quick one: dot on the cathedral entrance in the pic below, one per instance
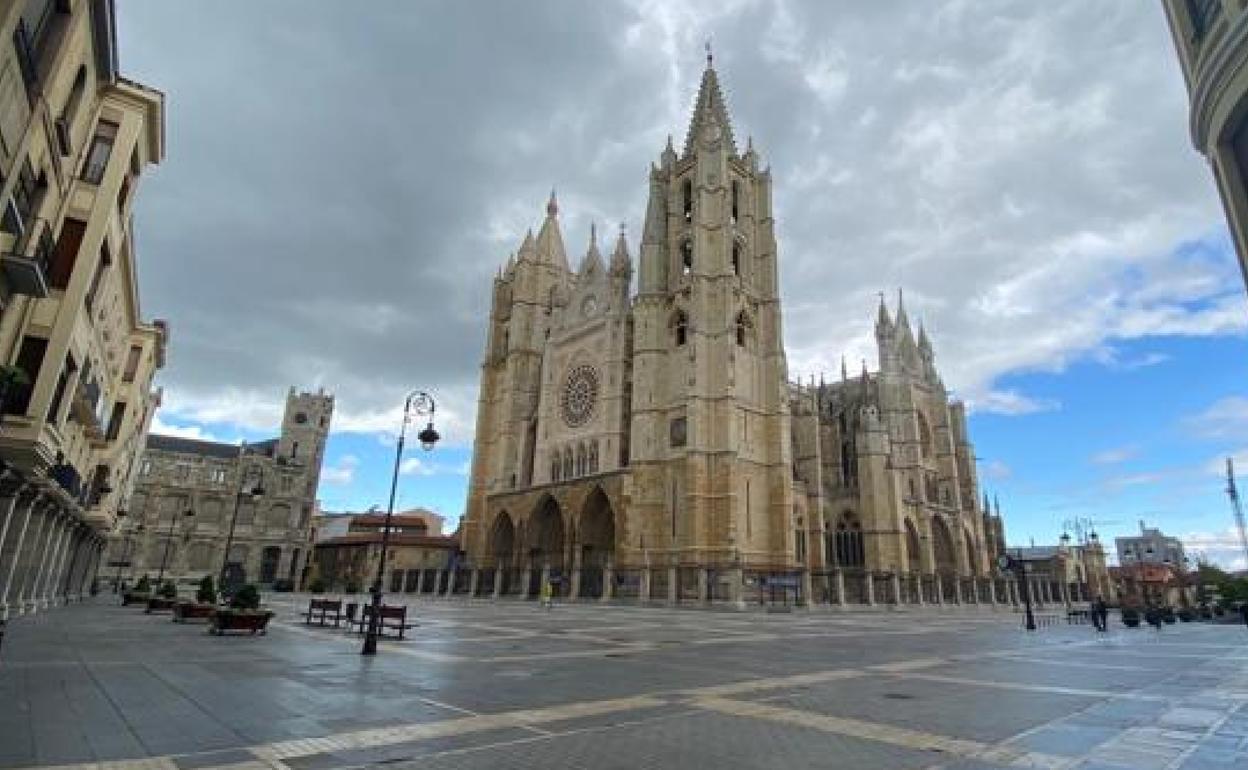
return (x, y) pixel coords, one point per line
(597, 543)
(503, 549)
(546, 548)
(942, 545)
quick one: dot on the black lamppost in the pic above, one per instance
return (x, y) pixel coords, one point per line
(125, 545)
(256, 490)
(173, 522)
(1019, 568)
(419, 403)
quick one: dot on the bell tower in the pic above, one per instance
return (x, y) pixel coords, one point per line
(305, 429)
(710, 453)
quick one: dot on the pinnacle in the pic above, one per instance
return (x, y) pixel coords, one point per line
(710, 108)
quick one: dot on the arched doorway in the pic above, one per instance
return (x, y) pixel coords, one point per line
(914, 556)
(269, 558)
(942, 546)
(546, 546)
(503, 548)
(597, 542)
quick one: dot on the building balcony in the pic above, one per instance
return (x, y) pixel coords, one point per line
(25, 266)
(83, 405)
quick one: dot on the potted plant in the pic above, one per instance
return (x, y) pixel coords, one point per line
(164, 599)
(141, 592)
(243, 614)
(200, 609)
(1130, 617)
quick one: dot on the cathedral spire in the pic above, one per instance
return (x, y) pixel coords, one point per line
(593, 259)
(549, 240)
(925, 345)
(710, 109)
(902, 318)
(882, 321)
(844, 370)
(620, 261)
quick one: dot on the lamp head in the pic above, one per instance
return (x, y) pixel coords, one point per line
(428, 437)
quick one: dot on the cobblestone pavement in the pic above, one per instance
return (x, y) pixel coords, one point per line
(511, 685)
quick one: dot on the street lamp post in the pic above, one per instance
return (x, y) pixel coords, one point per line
(173, 523)
(131, 545)
(419, 403)
(257, 490)
(1019, 568)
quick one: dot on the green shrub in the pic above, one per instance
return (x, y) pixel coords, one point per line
(207, 593)
(143, 586)
(318, 586)
(169, 590)
(246, 598)
(353, 587)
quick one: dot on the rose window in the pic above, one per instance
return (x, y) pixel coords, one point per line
(580, 393)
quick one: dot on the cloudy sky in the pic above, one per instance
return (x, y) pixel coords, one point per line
(344, 179)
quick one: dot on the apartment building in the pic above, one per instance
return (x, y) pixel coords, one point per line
(78, 359)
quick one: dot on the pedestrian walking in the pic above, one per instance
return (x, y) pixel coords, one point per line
(1152, 616)
(1095, 612)
(1104, 617)
(546, 595)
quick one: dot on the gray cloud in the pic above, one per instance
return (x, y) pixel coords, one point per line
(344, 179)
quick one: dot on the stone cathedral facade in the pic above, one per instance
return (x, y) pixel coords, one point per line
(652, 445)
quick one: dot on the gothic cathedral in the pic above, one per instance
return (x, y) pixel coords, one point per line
(651, 445)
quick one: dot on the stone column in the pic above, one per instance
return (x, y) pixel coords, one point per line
(808, 588)
(1066, 594)
(704, 586)
(673, 587)
(896, 579)
(643, 590)
(526, 580)
(608, 582)
(498, 581)
(420, 581)
(918, 590)
(545, 579)
(12, 555)
(474, 579)
(869, 584)
(736, 578)
(574, 590)
(9, 506)
(451, 575)
(938, 589)
(38, 553)
(68, 539)
(839, 577)
(59, 589)
(992, 592)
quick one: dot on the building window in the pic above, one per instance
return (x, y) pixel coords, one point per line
(736, 187)
(16, 397)
(743, 330)
(849, 550)
(686, 200)
(115, 420)
(294, 450)
(65, 255)
(101, 150)
(686, 257)
(677, 432)
(593, 457)
(736, 258)
(555, 466)
(567, 463)
(682, 328)
(22, 204)
(1203, 13)
(62, 383)
(146, 468)
(132, 363)
(98, 278)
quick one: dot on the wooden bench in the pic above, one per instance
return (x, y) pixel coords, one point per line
(392, 618)
(322, 611)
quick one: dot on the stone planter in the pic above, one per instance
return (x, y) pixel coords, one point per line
(160, 604)
(249, 621)
(184, 611)
(131, 597)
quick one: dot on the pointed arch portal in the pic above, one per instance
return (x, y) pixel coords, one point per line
(597, 529)
(942, 546)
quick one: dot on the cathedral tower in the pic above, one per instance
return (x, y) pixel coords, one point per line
(710, 452)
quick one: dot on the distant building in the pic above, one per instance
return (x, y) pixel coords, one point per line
(184, 506)
(1151, 547)
(1141, 584)
(1067, 574)
(419, 556)
(1211, 38)
(76, 139)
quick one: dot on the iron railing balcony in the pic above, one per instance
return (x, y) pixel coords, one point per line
(25, 267)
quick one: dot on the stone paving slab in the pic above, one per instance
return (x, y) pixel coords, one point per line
(506, 685)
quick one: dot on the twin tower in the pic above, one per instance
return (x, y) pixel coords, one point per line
(619, 434)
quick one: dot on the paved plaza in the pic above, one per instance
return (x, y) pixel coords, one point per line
(510, 685)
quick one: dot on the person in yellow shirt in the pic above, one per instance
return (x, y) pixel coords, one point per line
(545, 596)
